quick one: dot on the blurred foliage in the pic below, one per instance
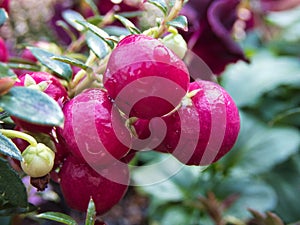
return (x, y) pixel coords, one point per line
(262, 172)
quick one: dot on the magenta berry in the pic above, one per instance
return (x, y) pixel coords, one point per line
(145, 78)
(79, 182)
(217, 117)
(204, 128)
(54, 88)
(47, 83)
(91, 126)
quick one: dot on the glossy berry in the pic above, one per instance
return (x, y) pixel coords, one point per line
(217, 117)
(79, 182)
(203, 130)
(47, 83)
(3, 51)
(91, 126)
(145, 78)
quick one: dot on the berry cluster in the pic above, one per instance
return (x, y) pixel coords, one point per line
(147, 102)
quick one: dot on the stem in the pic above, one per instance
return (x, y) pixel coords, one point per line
(18, 134)
(82, 77)
(92, 57)
(76, 45)
(172, 15)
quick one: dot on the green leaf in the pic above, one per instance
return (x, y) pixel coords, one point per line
(73, 62)
(33, 106)
(249, 193)
(91, 213)
(285, 179)
(131, 14)
(97, 45)
(17, 210)
(128, 24)
(99, 32)
(12, 190)
(3, 16)
(179, 22)
(7, 147)
(93, 6)
(246, 83)
(116, 31)
(161, 4)
(95, 19)
(5, 71)
(290, 117)
(24, 66)
(58, 217)
(62, 69)
(71, 17)
(260, 148)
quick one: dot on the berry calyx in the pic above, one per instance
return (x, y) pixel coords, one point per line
(93, 128)
(47, 83)
(149, 83)
(37, 160)
(79, 183)
(54, 88)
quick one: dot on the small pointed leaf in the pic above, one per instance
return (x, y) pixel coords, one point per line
(33, 106)
(7, 147)
(73, 62)
(99, 32)
(62, 69)
(22, 66)
(91, 213)
(128, 24)
(5, 71)
(93, 6)
(161, 4)
(58, 217)
(116, 30)
(3, 16)
(97, 45)
(71, 17)
(180, 22)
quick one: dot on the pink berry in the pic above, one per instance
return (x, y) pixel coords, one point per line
(202, 130)
(79, 183)
(27, 55)
(53, 88)
(217, 118)
(93, 129)
(3, 51)
(145, 78)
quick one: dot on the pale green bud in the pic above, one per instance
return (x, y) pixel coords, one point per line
(37, 160)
